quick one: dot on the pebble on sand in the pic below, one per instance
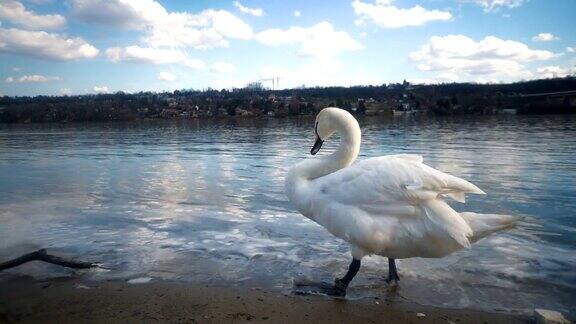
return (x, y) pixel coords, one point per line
(546, 316)
(82, 286)
(140, 280)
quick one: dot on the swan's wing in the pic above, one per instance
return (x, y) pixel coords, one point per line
(401, 186)
(409, 157)
(393, 178)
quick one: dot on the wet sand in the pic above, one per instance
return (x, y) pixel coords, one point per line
(73, 301)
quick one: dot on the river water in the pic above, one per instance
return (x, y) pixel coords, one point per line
(203, 201)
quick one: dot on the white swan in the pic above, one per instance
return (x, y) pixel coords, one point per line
(391, 205)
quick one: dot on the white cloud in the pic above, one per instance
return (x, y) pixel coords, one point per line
(130, 14)
(544, 37)
(137, 54)
(251, 11)
(570, 49)
(490, 58)
(44, 45)
(65, 91)
(166, 76)
(384, 14)
(34, 78)
(494, 5)
(16, 13)
(101, 89)
(297, 13)
(320, 40)
(222, 67)
(207, 29)
(554, 71)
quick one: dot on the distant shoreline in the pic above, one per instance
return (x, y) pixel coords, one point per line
(251, 119)
(549, 96)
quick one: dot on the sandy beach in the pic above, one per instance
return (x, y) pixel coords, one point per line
(73, 301)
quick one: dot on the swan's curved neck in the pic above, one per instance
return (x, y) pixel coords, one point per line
(345, 155)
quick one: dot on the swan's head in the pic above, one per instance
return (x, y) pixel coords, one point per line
(328, 121)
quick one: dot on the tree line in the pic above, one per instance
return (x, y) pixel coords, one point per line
(447, 98)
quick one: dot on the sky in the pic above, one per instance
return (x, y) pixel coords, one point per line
(50, 47)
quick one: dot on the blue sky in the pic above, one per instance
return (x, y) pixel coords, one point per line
(91, 46)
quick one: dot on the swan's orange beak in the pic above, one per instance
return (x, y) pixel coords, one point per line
(317, 145)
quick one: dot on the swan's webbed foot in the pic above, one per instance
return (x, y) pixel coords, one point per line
(392, 272)
(392, 279)
(338, 289)
(341, 284)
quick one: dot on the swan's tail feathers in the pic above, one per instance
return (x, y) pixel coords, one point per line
(456, 188)
(459, 184)
(443, 221)
(485, 224)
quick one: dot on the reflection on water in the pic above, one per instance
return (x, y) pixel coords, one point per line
(204, 201)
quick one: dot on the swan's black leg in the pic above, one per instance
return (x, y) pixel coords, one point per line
(392, 272)
(340, 284)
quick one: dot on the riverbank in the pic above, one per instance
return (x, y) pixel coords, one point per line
(549, 96)
(71, 300)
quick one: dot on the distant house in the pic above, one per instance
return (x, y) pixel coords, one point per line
(375, 107)
(169, 113)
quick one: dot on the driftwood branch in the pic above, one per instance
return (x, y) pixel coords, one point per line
(41, 255)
